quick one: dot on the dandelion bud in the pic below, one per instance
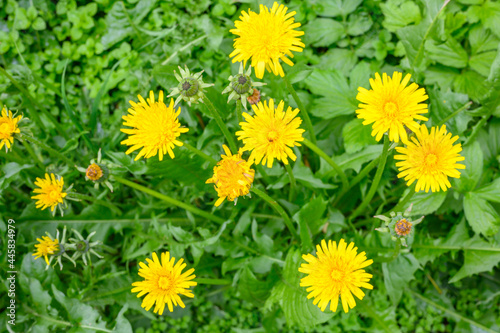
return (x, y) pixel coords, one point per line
(400, 226)
(241, 86)
(190, 88)
(98, 171)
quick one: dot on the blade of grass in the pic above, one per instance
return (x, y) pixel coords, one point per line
(69, 110)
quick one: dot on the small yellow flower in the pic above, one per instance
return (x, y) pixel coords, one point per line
(47, 246)
(155, 127)
(265, 38)
(391, 106)
(270, 133)
(430, 158)
(94, 172)
(232, 177)
(50, 192)
(8, 128)
(163, 283)
(335, 272)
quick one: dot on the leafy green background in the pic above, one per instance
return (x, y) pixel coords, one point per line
(448, 281)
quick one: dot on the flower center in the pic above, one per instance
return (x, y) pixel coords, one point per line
(186, 86)
(430, 160)
(165, 283)
(272, 136)
(242, 80)
(403, 227)
(337, 275)
(5, 130)
(189, 87)
(54, 195)
(391, 110)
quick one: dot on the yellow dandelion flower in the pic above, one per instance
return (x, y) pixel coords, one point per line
(50, 192)
(265, 38)
(232, 177)
(8, 128)
(430, 158)
(270, 133)
(155, 127)
(163, 283)
(390, 105)
(45, 247)
(335, 272)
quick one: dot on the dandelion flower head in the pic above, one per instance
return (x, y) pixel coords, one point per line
(271, 133)
(232, 177)
(266, 38)
(8, 127)
(390, 105)
(335, 272)
(46, 246)
(50, 192)
(155, 127)
(430, 158)
(163, 283)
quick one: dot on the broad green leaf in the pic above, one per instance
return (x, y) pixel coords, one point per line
(482, 40)
(341, 60)
(449, 53)
(332, 8)
(298, 310)
(477, 261)
(481, 62)
(471, 83)
(310, 220)
(444, 103)
(488, 13)
(360, 77)
(40, 298)
(490, 192)
(323, 32)
(122, 324)
(127, 161)
(426, 203)
(358, 24)
(253, 290)
(473, 162)
(398, 273)
(355, 161)
(305, 176)
(399, 16)
(482, 217)
(357, 136)
(441, 75)
(264, 242)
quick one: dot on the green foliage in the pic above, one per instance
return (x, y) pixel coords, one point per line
(72, 67)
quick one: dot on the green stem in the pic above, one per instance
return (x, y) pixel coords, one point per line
(302, 108)
(216, 282)
(475, 130)
(183, 48)
(450, 312)
(293, 184)
(102, 295)
(170, 200)
(49, 150)
(464, 107)
(97, 201)
(34, 156)
(238, 111)
(263, 173)
(356, 179)
(401, 205)
(199, 153)
(277, 207)
(323, 155)
(222, 125)
(376, 180)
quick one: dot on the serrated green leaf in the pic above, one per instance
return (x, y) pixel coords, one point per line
(473, 162)
(477, 261)
(444, 103)
(355, 161)
(471, 83)
(253, 290)
(323, 32)
(449, 53)
(358, 24)
(490, 192)
(426, 203)
(400, 16)
(482, 217)
(398, 273)
(334, 8)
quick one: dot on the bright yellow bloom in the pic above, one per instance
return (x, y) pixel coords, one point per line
(8, 127)
(265, 38)
(270, 133)
(50, 192)
(430, 158)
(163, 283)
(155, 127)
(335, 272)
(232, 177)
(391, 106)
(47, 246)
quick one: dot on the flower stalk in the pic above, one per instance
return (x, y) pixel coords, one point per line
(302, 108)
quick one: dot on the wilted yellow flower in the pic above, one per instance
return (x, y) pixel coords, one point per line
(270, 133)
(265, 38)
(45, 247)
(163, 283)
(430, 158)
(8, 128)
(232, 177)
(391, 106)
(155, 127)
(335, 272)
(50, 192)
